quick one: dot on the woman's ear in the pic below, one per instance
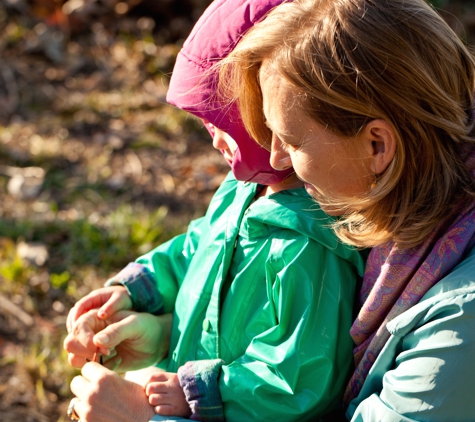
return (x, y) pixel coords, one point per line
(380, 141)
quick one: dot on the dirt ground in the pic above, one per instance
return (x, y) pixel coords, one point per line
(88, 144)
(93, 162)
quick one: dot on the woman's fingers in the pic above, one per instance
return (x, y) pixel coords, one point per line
(112, 362)
(115, 333)
(79, 386)
(80, 340)
(76, 360)
(107, 397)
(91, 388)
(76, 410)
(77, 353)
(73, 346)
(93, 371)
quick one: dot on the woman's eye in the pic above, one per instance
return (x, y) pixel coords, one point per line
(291, 142)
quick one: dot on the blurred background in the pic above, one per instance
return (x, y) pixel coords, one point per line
(95, 167)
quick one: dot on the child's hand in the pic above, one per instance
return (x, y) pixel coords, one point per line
(166, 395)
(128, 340)
(109, 300)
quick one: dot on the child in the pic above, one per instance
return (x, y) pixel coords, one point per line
(262, 292)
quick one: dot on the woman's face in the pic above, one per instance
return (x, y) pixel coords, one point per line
(325, 162)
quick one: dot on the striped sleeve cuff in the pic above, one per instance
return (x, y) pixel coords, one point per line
(199, 380)
(139, 282)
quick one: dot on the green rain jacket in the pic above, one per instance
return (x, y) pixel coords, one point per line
(264, 288)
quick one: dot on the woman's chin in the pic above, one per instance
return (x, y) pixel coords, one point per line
(326, 208)
(332, 210)
(314, 193)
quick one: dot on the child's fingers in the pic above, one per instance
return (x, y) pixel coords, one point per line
(119, 301)
(158, 377)
(93, 300)
(165, 410)
(155, 388)
(168, 396)
(157, 400)
(173, 408)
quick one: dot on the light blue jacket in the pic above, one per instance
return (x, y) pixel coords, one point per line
(426, 371)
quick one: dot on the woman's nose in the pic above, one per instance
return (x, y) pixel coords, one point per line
(279, 157)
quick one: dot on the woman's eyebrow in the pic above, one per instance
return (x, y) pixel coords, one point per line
(273, 130)
(287, 137)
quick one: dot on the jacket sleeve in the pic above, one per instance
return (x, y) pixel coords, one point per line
(154, 279)
(426, 371)
(299, 365)
(199, 380)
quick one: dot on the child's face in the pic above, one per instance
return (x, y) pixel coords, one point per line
(223, 142)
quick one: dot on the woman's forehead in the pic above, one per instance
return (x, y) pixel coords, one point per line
(282, 102)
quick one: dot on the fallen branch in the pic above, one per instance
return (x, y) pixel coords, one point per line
(7, 305)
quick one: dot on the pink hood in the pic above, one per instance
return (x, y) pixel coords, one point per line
(193, 87)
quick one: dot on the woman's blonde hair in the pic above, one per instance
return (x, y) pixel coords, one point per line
(358, 60)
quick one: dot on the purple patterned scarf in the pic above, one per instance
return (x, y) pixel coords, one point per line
(396, 279)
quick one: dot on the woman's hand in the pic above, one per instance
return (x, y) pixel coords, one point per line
(104, 396)
(128, 340)
(166, 395)
(109, 299)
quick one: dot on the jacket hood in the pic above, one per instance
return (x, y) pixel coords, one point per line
(299, 212)
(193, 83)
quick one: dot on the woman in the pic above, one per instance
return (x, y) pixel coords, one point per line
(372, 104)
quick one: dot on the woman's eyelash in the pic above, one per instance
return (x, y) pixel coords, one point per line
(286, 139)
(291, 141)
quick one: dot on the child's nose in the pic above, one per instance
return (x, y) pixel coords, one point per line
(219, 141)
